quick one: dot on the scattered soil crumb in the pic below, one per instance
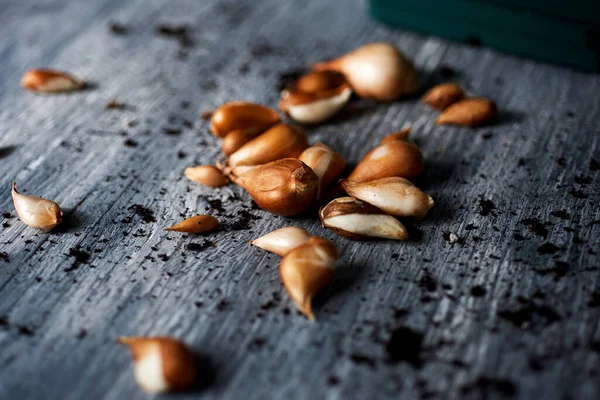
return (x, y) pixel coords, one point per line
(118, 29)
(547, 248)
(486, 207)
(405, 344)
(144, 213)
(362, 359)
(206, 115)
(180, 33)
(114, 105)
(534, 225)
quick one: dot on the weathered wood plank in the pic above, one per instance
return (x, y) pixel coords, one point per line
(501, 312)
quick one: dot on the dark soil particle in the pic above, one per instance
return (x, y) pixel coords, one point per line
(561, 161)
(534, 225)
(223, 305)
(26, 331)
(114, 105)
(484, 386)
(559, 270)
(478, 291)
(406, 345)
(130, 143)
(594, 300)
(486, 207)
(594, 165)
(428, 282)
(257, 343)
(144, 213)
(578, 194)
(548, 248)
(180, 33)
(470, 227)
(446, 72)
(81, 334)
(171, 131)
(530, 313)
(118, 29)
(80, 257)
(4, 256)
(362, 359)
(163, 257)
(195, 246)
(333, 380)
(7, 215)
(562, 214)
(4, 320)
(216, 205)
(181, 154)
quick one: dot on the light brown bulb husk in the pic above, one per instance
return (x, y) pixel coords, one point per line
(284, 187)
(195, 224)
(356, 219)
(377, 71)
(162, 364)
(306, 270)
(280, 141)
(325, 162)
(50, 81)
(283, 240)
(442, 96)
(471, 112)
(207, 175)
(315, 97)
(402, 134)
(241, 115)
(36, 212)
(393, 158)
(396, 196)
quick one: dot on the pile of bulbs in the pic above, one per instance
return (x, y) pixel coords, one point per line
(275, 164)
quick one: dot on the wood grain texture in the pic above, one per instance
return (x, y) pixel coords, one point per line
(511, 310)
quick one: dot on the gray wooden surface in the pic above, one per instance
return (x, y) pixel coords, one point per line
(511, 310)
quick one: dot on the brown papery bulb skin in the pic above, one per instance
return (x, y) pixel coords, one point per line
(284, 187)
(306, 270)
(393, 158)
(280, 141)
(377, 71)
(241, 115)
(325, 162)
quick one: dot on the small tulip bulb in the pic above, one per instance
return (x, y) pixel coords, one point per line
(162, 364)
(307, 269)
(283, 240)
(35, 211)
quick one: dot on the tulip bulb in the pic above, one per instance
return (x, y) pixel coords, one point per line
(402, 134)
(325, 162)
(237, 138)
(284, 187)
(280, 141)
(356, 219)
(50, 81)
(206, 175)
(35, 211)
(395, 196)
(241, 115)
(283, 240)
(195, 224)
(392, 158)
(307, 269)
(377, 71)
(442, 96)
(315, 97)
(162, 364)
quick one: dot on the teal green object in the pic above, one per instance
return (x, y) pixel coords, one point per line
(557, 31)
